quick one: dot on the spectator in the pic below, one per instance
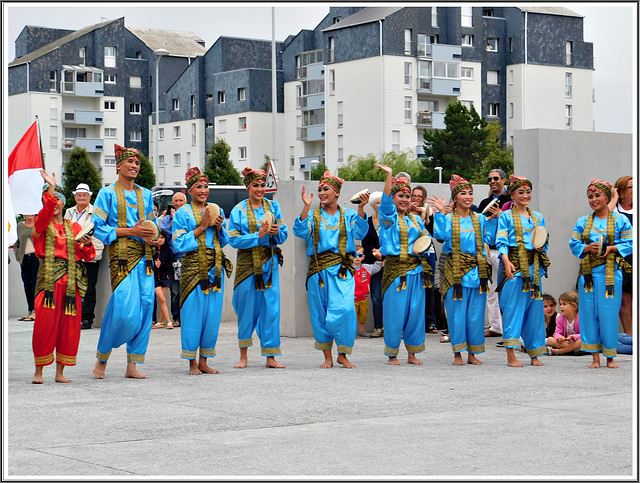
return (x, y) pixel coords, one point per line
(163, 273)
(370, 243)
(566, 338)
(362, 276)
(81, 214)
(549, 306)
(26, 256)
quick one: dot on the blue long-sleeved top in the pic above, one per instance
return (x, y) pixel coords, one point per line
(239, 235)
(506, 235)
(356, 228)
(183, 225)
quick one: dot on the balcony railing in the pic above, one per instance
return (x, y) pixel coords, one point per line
(92, 145)
(83, 117)
(424, 119)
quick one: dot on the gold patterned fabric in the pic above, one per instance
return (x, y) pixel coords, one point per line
(135, 252)
(531, 256)
(455, 259)
(467, 263)
(323, 260)
(527, 284)
(256, 256)
(191, 275)
(71, 268)
(60, 267)
(592, 260)
(245, 262)
(346, 260)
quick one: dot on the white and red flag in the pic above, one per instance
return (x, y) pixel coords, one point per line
(25, 181)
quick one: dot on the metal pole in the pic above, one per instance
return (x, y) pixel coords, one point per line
(157, 136)
(274, 91)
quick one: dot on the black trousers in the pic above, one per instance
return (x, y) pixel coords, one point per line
(89, 301)
(29, 272)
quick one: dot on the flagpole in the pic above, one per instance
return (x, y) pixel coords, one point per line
(40, 142)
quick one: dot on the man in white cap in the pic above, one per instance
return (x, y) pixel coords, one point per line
(81, 213)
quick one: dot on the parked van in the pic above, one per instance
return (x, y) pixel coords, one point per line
(224, 196)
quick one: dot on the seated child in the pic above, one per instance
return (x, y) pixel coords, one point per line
(566, 338)
(549, 304)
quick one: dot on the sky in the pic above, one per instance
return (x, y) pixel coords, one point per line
(610, 26)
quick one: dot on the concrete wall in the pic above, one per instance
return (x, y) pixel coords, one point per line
(561, 164)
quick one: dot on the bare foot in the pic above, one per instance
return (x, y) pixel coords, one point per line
(133, 373)
(472, 359)
(512, 361)
(342, 359)
(611, 364)
(37, 377)
(457, 359)
(328, 360)
(412, 359)
(393, 361)
(271, 362)
(536, 362)
(242, 364)
(194, 370)
(62, 379)
(206, 369)
(596, 361)
(99, 368)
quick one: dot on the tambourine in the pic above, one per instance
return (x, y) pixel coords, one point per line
(539, 237)
(355, 199)
(153, 226)
(214, 211)
(270, 219)
(488, 207)
(88, 229)
(422, 244)
(603, 243)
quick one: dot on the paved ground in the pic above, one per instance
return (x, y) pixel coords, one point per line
(411, 422)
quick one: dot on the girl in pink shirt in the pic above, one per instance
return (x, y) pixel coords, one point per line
(566, 337)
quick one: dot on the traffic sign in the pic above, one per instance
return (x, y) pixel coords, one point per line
(272, 181)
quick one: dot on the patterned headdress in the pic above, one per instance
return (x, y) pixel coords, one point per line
(250, 175)
(123, 153)
(333, 181)
(516, 181)
(602, 186)
(194, 174)
(457, 184)
(57, 192)
(399, 185)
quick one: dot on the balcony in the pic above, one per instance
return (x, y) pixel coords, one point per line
(82, 80)
(92, 118)
(430, 120)
(92, 145)
(307, 163)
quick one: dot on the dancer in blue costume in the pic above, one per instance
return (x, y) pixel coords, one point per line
(600, 282)
(256, 292)
(521, 290)
(200, 239)
(467, 272)
(120, 209)
(330, 233)
(405, 275)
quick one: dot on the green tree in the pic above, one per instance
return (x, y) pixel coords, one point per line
(496, 158)
(265, 166)
(461, 147)
(219, 167)
(145, 177)
(361, 168)
(80, 169)
(318, 171)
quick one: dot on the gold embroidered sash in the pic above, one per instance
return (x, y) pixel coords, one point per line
(256, 251)
(522, 255)
(71, 268)
(191, 275)
(245, 262)
(466, 264)
(60, 267)
(456, 272)
(531, 256)
(323, 260)
(316, 265)
(135, 251)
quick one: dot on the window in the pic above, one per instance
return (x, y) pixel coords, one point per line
(467, 40)
(511, 77)
(53, 108)
(135, 108)
(314, 86)
(407, 110)
(336, 19)
(424, 74)
(193, 134)
(135, 81)
(434, 16)
(75, 132)
(510, 44)
(53, 137)
(407, 75)
(492, 77)
(161, 134)
(222, 126)
(208, 125)
(110, 132)
(569, 52)
(511, 109)
(488, 12)
(161, 160)
(332, 47)
(407, 41)
(109, 161)
(493, 110)
(242, 94)
(193, 106)
(467, 104)
(332, 82)
(492, 44)
(109, 56)
(222, 97)
(242, 153)
(109, 78)
(242, 123)
(135, 135)
(568, 85)
(53, 80)
(340, 148)
(466, 73)
(292, 157)
(446, 69)
(424, 44)
(395, 141)
(109, 105)
(81, 53)
(188, 159)
(340, 114)
(569, 111)
(176, 132)
(466, 17)
(209, 97)
(176, 160)
(175, 104)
